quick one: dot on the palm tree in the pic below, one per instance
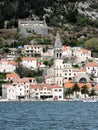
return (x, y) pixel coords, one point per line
(68, 92)
(84, 90)
(76, 89)
(92, 93)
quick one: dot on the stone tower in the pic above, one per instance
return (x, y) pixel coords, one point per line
(58, 62)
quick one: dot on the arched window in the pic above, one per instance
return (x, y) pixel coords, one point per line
(60, 82)
(57, 54)
(83, 80)
(60, 55)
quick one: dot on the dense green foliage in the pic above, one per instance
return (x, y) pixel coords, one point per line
(61, 12)
(48, 62)
(26, 72)
(92, 44)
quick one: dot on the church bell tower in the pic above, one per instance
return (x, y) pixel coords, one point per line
(58, 62)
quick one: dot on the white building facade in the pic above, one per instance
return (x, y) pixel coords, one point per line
(7, 66)
(30, 50)
(30, 62)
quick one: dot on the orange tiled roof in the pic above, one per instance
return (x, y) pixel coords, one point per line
(22, 80)
(12, 62)
(82, 70)
(70, 85)
(9, 62)
(47, 76)
(96, 87)
(91, 64)
(64, 48)
(85, 51)
(12, 75)
(41, 86)
(7, 86)
(29, 58)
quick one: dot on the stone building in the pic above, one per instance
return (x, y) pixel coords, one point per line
(38, 27)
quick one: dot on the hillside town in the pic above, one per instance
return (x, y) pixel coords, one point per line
(73, 73)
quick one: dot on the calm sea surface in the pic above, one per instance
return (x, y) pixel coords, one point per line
(48, 116)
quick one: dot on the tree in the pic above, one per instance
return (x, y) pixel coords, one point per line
(68, 92)
(18, 59)
(65, 60)
(48, 62)
(92, 44)
(6, 49)
(75, 89)
(84, 90)
(92, 93)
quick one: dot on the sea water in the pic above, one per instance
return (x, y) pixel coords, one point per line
(48, 115)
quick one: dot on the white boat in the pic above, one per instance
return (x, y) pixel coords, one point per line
(90, 100)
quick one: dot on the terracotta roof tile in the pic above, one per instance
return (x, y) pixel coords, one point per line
(41, 86)
(22, 80)
(28, 58)
(70, 85)
(91, 64)
(12, 75)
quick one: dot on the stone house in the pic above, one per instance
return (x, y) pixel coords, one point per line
(38, 27)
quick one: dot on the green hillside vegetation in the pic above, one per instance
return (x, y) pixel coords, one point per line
(92, 44)
(75, 28)
(61, 12)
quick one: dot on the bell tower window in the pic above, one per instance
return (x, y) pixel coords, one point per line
(57, 54)
(60, 55)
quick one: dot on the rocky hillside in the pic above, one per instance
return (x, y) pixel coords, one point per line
(77, 20)
(56, 12)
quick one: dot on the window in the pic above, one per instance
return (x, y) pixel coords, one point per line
(55, 90)
(60, 82)
(33, 81)
(70, 78)
(60, 90)
(45, 88)
(60, 55)
(57, 54)
(30, 81)
(60, 97)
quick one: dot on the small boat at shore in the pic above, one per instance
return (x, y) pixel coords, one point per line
(90, 100)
